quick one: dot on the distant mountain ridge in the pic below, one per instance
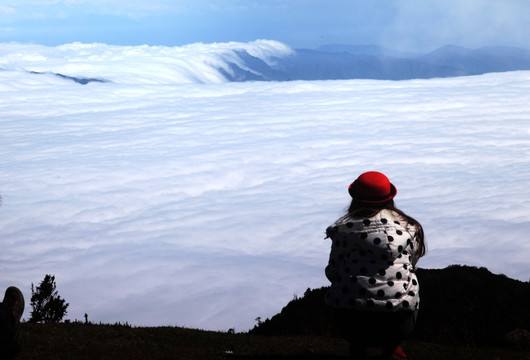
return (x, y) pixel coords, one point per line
(334, 62)
(260, 61)
(373, 50)
(459, 305)
(479, 61)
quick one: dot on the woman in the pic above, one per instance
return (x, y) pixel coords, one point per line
(374, 252)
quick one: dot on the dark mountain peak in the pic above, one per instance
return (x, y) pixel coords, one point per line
(459, 305)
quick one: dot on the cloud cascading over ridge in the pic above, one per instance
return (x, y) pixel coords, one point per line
(194, 63)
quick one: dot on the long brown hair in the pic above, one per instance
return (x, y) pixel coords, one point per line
(360, 209)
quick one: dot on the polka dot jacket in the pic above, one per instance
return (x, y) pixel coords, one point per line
(371, 263)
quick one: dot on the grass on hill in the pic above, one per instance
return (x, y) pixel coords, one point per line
(80, 341)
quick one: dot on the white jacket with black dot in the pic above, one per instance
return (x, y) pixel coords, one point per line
(372, 262)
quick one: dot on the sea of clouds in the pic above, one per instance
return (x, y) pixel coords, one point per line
(169, 196)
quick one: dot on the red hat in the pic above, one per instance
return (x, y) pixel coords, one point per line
(372, 187)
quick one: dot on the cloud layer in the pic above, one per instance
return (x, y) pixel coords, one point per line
(205, 205)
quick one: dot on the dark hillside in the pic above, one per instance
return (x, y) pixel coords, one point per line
(459, 305)
(79, 341)
(465, 312)
(471, 306)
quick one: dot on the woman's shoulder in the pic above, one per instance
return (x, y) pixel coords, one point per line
(346, 224)
(398, 221)
(391, 215)
(348, 221)
(385, 217)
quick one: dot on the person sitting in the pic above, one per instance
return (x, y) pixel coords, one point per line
(374, 253)
(11, 310)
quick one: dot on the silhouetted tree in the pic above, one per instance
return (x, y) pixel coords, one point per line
(48, 307)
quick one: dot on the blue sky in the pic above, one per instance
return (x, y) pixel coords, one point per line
(416, 25)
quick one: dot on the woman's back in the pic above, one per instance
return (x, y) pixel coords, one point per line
(372, 262)
(375, 248)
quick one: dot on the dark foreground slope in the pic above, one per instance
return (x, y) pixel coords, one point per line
(80, 342)
(459, 305)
